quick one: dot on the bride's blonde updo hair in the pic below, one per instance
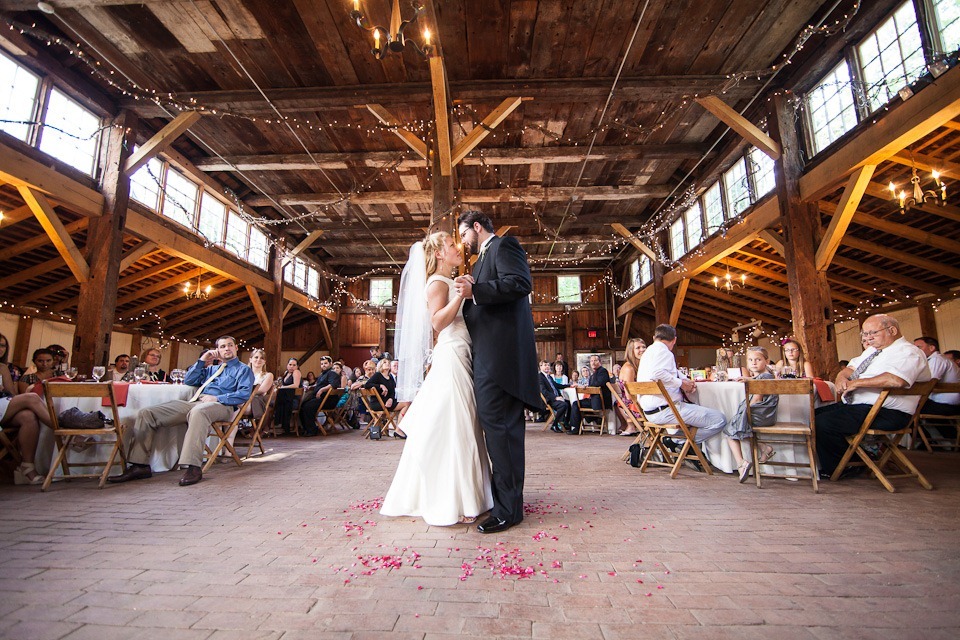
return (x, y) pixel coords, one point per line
(431, 245)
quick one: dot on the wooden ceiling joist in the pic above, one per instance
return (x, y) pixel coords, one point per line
(521, 156)
(901, 256)
(160, 141)
(221, 286)
(919, 236)
(837, 228)
(32, 272)
(389, 120)
(889, 275)
(741, 125)
(43, 239)
(57, 232)
(946, 211)
(142, 250)
(258, 308)
(635, 241)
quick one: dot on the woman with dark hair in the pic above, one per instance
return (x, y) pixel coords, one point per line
(286, 394)
(43, 360)
(60, 358)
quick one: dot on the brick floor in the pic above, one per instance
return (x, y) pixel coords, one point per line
(292, 546)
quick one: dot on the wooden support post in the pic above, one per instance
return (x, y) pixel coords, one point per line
(273, 341)
(438, 79)
(837, 228)
(625, 336)
(305, 244)
(325, 330)
(382, 338)
(388, 119)
(97, 305)
(141, 250)
(928, 321)
(136, 344)
(258, 309)
(570, 343)
(660, 306)
(678, 301)
(810, 302)
(635, 241)
(21, 348)
(173, 362)
(57, 232)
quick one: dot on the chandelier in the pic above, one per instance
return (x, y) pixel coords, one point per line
(918, 195)
(392, 40)
(728, 281)
(200, 293)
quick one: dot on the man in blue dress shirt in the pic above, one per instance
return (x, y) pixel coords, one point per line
(222, 388)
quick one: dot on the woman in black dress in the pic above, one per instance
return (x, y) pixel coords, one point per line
(384, 384)
(286, 394)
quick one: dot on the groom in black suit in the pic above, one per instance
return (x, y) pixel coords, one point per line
(498, 316)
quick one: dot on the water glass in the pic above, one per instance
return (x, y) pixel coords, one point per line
(99, 372)
(139, 374)
(70, 373)
(788, 372)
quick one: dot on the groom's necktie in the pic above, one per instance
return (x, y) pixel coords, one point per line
(552, 385)
(859, 371)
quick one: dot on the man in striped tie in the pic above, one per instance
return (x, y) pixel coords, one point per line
(887, 361)
(221, 388)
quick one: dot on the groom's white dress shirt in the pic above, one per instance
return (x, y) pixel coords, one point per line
(659, 363)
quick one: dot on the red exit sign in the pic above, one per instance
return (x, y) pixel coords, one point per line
(591, 333)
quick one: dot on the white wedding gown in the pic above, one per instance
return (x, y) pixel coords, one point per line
(444, 471)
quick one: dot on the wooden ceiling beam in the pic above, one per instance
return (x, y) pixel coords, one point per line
(302, 246)
(131, 279)
(142, 250)
(889, 275)
(707, 319)
(155, 304)
(258, 308)
(849, 202)
(738, 304)
(23, 171)
(519, 195)
(160, 286)
(56, 287)
(900, 127)
(207, 309)
(389, 120)
(901, 256)
(678, 301)
(40, 240)
(57, 231)
(741, 125)
(925, 238)
(925, 162)
(564, 90)
(32, 272)
(14, 216)
(160, 141)
(641, 246)
(491, 156)
(773, 239)
(484, 128)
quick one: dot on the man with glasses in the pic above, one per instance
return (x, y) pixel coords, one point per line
(888, 360)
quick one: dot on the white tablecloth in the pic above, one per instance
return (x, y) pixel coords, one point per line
(167, 442)
(726, 397)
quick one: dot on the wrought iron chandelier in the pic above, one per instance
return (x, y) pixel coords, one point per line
(728, 281)
(392, 40)
(200, 293)
(918, 196)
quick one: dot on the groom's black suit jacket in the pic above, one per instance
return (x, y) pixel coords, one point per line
(501, 323)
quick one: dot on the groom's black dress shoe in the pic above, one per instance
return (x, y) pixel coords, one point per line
(494, 525)
(133, 472)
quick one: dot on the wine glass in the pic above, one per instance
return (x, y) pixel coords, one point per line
(721, 376)
(70, 373)
(788, 372)
(99, 372)
(139, 374)
(180, 375)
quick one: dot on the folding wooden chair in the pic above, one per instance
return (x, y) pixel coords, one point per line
(111, 435)
(380, 414)
(256, 438)
(8, 447)
(553, 414)
(222, 430)
(927, 421)
(889, 441)
(593, 414)
(782, 432)
(332, 413)
(689, 451)
(631, 419)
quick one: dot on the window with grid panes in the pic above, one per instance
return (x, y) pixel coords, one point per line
(646, 271)
(313, 282)
(180, 198)
(381, 291)
(259, 252)
(713, 207)
(891, 57)
(568, 290)
(677, 247)
(947, 14)
(761, 169)
(145, 184)
(300, 275)
(19, 93)
(633, 276)
(71, 133)
(830, 107)
(236, 242)
(736, 189)
(213, 218)
(694, 225)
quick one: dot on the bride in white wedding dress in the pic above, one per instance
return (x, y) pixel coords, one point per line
(444, 472)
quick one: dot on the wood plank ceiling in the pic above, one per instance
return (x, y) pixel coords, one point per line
(257, 61)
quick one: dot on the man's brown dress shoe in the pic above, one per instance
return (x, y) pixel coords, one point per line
(192, 476)
(134, 472)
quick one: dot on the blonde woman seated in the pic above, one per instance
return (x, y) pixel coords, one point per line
(354, 407)
(628, 373)
(262, 383)
(793, 364)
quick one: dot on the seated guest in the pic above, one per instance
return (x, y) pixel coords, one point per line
(615, 372)
(402, 406)
(310, 404)
(953, 355)
(286, 395)
(23, 414)
(599, 377)
(310, 379)
(354, 404)
(558, 375)
(888, 361)
(793, 358)
(60, 358)
(550, 390)
(222, 389)
(941, 404)
(12, 372)
(584, 379)
(121, 368)
(659, 363)
(262, 381)
(43, 360)
(575, 378)
(565, 369)
(628, 373)
(387, 388)
(763, 413)
(151, 360)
